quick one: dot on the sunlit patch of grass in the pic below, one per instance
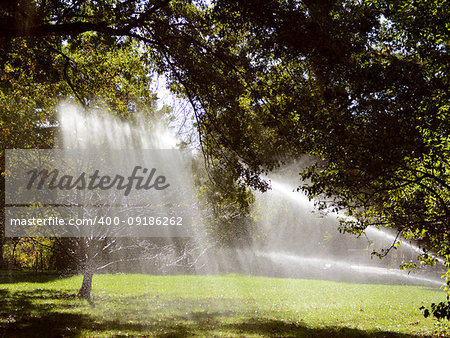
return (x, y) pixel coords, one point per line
(229, 305)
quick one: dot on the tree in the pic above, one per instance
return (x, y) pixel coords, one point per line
(360, 86)
(94, 69)
(225, 205)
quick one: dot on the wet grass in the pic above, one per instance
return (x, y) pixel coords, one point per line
(228, 305)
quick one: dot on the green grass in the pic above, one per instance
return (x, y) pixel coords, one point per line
(228, 305)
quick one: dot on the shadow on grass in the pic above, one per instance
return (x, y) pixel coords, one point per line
(278, 328)
(50, 313)
(8, 277)
(33, 313)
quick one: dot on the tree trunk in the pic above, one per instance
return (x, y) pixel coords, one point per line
(2, 262)
(86, 286)
(2, 232)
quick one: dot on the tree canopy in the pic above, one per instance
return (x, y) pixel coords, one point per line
(360, 86)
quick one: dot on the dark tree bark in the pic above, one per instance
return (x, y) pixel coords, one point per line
(86, 286)
(2, 263)
(2, 213)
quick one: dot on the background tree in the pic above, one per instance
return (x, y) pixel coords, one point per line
(361, 87)
(224, 204)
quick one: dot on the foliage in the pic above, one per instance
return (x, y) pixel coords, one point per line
(94, 69)
(439, 310)
(225, 204)
(29, 254)
(360, 86)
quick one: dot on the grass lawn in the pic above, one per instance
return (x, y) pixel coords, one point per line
(226, 305)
